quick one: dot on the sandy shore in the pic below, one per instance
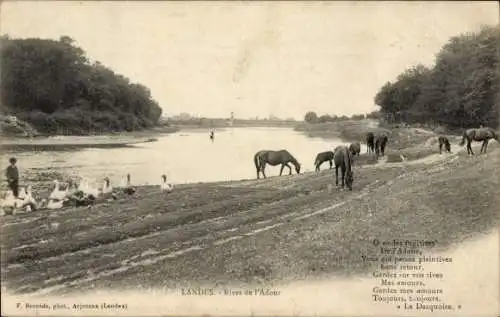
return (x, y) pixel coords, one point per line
(254, 233)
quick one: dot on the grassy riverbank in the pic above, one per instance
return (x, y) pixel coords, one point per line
(254, 231)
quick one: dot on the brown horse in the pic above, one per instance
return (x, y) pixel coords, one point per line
(355, 148)
(370, 142)
(478, 135)
(444, 141)
(380, 143)
(323, 157)
(343, 159)
(274, 158)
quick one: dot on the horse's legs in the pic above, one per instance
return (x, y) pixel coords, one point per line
(317, 167)
(336, 176)
(289, 169)
(483, 146)
(486, 146)
(262, 167)
(440, 146)
(343, 176)
(331, 163)
(469, 147)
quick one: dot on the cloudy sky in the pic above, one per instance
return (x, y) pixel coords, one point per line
(256, 59)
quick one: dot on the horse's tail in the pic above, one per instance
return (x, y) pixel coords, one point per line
(256, 160)
(494, 135)
(464, 136)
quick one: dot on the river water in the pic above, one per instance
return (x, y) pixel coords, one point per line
(185, 156)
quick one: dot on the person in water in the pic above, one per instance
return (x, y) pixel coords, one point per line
(12, 175)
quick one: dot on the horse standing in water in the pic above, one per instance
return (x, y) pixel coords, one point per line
(370, 142)
(323, 157)
(274, 158)
(380, 143)
(444, 141)
(343, 159)
(478, 135)
(355, 148)
(212, 135)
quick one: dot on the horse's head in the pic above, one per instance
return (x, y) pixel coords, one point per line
(349, 179)
(297, 168)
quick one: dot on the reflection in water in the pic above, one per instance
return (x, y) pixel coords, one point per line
(183, 157)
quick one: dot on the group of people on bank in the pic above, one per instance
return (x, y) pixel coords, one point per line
(21, 198)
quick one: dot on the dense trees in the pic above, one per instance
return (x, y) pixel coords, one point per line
(312, 117)
(53, 86)
(461, 90)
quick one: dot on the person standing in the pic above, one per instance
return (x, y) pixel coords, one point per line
(12, 175)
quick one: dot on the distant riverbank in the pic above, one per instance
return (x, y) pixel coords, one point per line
(24, 130)
(206, 123)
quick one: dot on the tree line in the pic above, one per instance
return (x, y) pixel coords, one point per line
(460, 91)
(53, 86)
(312, 117)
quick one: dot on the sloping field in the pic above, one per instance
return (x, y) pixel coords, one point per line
(266, 231)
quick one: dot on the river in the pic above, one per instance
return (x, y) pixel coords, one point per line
(184, 156)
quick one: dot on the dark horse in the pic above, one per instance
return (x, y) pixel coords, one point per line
(370, 142)
(212, 135)
(355, 148)
(380, 144)
(274, 158)
(323, 157)
(343, 159)
(478, 135)
(444, 141)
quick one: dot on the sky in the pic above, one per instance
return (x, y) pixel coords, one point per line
(254, 59)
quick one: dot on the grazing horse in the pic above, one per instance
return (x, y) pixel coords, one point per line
(478, 135)
(343, 159)
(274, 158)
(370, 142)
(444, 141)
(355, 148)
(380, 143)
(323, 157)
